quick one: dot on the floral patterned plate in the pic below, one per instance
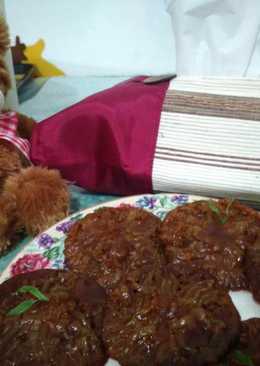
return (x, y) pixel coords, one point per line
(46, 250)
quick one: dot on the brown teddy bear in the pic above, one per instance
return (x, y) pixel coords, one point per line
(31, 198)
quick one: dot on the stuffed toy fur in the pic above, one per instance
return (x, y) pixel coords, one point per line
(31, 198)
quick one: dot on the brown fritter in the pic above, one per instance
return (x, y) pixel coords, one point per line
(138, 333)
(208, 240)
(246, 351)
(118, 248)
(194, 326)
(60, 331)
(252, 269)
(249, 343)
(205, 324)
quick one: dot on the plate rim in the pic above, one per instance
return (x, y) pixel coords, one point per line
(112, 203)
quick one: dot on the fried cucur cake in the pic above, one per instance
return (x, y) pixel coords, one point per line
(194, 326)
(252, 269)
(118, 247)
(60, 331)
(249, 341)
(208, 239)
(205, 324)
(246, 351)
(138, 333)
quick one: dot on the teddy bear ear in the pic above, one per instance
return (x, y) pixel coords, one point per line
(4, 36)
(5, 81)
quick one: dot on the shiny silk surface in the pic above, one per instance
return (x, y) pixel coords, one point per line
(106, 142)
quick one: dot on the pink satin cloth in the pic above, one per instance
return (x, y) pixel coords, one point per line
(106, 142)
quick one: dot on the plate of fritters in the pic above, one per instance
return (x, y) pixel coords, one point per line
(156, 280)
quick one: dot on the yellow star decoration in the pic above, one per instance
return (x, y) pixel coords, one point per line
(34, 55)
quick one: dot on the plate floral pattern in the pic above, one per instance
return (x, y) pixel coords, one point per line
(46, 250)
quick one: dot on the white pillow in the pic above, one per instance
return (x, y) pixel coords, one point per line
(218, 38)
(98, 37)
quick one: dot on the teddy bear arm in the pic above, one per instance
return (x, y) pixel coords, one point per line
(10, 161)
(8, 222)
(25, 126)
(42, 198)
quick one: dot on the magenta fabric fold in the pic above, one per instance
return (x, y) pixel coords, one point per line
(106, 142)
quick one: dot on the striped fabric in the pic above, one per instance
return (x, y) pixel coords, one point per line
(209, 138)
(8, 132)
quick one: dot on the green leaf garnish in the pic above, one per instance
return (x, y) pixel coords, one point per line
(27, 304)
(243, 359)
(214, 208)
(22, 307)
(231, 201)
(33, 291)
(216, 211)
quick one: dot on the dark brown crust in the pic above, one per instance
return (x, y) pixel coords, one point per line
(198, 244)
(159, 310)
(252, 269)
(250, 339)
(247, 345)
(118, 248)
(58, 332)
(138, 333)
(192, 327)
(207, 321)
